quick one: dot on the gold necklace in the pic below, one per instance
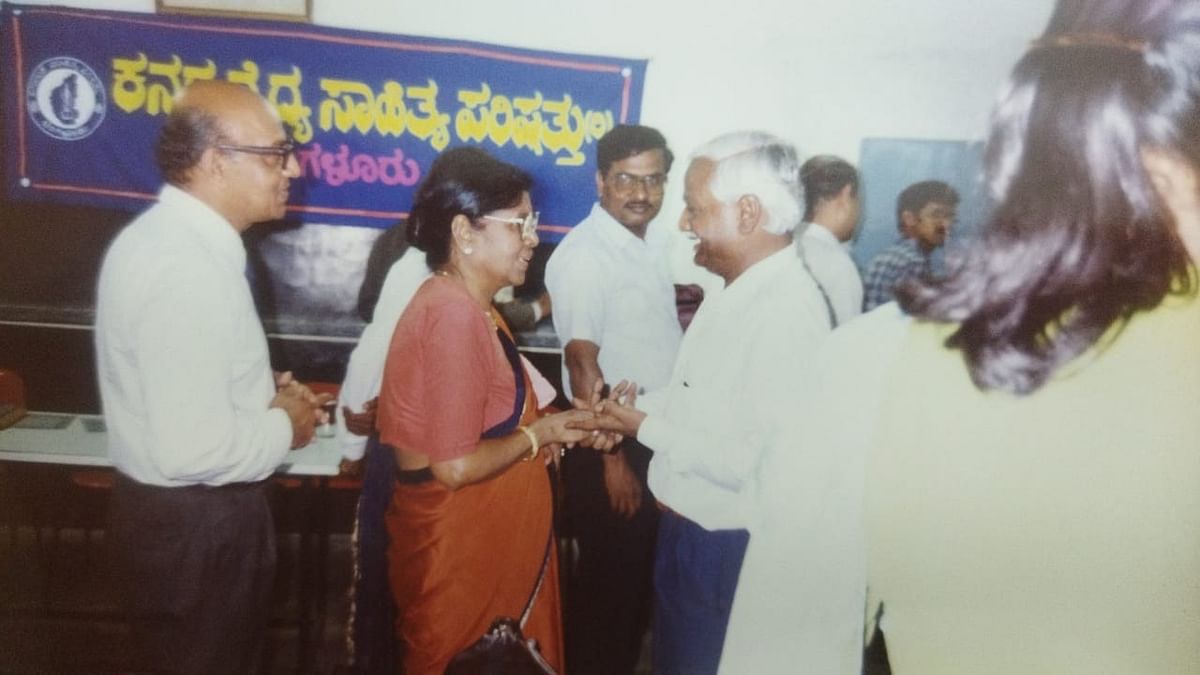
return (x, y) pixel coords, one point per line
(487, 313)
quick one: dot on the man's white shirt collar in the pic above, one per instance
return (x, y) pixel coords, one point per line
(218, 234)
(620, 236)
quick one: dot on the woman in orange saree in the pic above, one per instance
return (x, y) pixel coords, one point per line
(471, 511)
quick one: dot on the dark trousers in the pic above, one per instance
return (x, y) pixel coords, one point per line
(695, 576)
(373, 617)
(195, 567)
(609, 590)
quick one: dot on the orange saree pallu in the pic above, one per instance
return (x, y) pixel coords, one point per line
(459, 560)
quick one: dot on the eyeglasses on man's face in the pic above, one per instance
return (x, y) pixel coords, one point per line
(281, 152)
(527, 225)
(624, 182)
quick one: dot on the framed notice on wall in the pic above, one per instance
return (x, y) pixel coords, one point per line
(288, 10)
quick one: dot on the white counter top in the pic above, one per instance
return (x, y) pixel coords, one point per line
(76, 443)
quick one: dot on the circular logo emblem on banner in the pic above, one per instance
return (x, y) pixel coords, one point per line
(65, 99)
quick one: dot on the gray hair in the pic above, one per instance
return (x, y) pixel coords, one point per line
(182, 140)
(757, 163)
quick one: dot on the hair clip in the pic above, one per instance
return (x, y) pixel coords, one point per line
(1107, 40)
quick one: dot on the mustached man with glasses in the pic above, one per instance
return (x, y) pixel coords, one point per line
(614, 312)
(196, 420)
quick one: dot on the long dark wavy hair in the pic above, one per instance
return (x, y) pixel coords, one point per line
(1079, 240)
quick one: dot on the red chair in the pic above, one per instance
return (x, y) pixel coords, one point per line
(95, 489)
(12, 398)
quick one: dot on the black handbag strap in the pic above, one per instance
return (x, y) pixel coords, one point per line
(549, 546)
(833, 320)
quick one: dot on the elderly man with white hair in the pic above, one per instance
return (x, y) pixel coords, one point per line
(732, 387)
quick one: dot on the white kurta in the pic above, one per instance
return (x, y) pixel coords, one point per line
(732, 389)
(834, 269)
(185, 377)
(800, 600)
(364, 371)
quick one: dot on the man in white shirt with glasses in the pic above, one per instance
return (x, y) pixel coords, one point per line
(196, 420)
(614, 313)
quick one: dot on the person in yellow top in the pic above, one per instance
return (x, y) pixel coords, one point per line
(1032, 500)
(1029, 428)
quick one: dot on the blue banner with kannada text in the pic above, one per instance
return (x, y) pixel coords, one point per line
(85, 93)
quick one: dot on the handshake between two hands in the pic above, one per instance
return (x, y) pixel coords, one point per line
(601, 422)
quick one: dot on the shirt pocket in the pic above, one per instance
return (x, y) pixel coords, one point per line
(699, 404)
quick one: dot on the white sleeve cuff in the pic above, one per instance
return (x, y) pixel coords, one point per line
(352, 446)
(279, 430)
(655, 433)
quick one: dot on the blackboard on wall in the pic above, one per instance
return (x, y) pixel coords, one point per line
(888, 165)
(305, 278)
(305, 281)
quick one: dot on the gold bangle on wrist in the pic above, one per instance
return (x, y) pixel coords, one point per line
(533, 442)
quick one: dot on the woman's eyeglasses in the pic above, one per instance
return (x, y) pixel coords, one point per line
(528, 224)
(283, 152)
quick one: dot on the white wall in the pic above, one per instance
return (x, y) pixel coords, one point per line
(822, 74)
